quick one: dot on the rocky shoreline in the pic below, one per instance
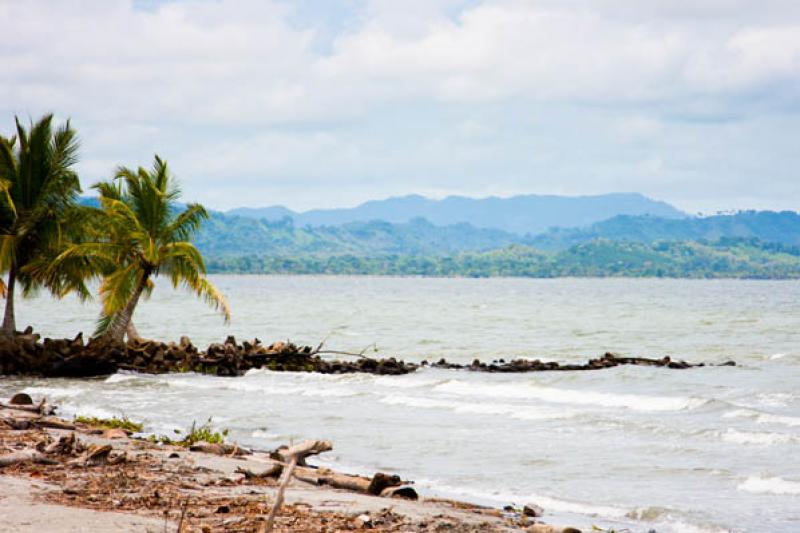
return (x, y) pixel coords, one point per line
(28, 354)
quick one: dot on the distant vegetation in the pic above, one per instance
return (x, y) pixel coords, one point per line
(725, 258)
(768, 226)
(225, 235)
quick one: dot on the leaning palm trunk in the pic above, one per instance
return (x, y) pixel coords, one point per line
(119, 326)
(9, 321)
(132, 332)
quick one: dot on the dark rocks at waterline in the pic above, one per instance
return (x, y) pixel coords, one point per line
(27, 354)
(609, 360)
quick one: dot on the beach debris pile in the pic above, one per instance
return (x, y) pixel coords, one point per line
(28, 354)
(86, 465)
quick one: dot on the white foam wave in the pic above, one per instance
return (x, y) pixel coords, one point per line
(755, 437)
(770, 485)
(120, 378)
(513, 411)
(53, 392)
(580, 397)
(763, 418)
(401, 382)
(551, 505)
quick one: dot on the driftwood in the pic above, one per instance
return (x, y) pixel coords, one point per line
(295, 453)
(52, 422)
(28, 422)
(40, 409)
(303, 450)
(273, 471)
(219, 448)
(97, 455)
(65, 444)
(25, 456)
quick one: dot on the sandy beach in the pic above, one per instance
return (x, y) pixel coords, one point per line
(89, 479)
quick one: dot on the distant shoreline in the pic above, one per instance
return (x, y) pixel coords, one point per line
(722, 259)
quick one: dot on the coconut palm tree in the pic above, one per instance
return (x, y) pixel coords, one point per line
(38, 191)
(142, 235)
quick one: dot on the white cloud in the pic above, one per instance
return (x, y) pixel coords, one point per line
(424, 95)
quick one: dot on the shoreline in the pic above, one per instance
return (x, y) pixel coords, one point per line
(77, 473)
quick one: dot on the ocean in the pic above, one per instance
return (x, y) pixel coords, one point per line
(702, 450)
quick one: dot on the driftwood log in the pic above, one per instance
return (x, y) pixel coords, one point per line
(25, 456)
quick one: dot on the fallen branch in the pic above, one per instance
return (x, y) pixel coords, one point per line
(273, 471)
(294, 453)
(26, 456)
(303, 450)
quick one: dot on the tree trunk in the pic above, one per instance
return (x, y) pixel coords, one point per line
(119, 326)
(9, 322)
(132, 332)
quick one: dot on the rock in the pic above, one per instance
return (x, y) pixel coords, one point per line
(115, 433)
(381, 481)
(404, 492)
(21, 399)
(363, 521)
(532, 510)
(223, 509)
(72, 487)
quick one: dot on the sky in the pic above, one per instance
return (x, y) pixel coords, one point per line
(329, 103)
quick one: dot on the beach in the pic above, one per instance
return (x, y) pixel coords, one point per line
(142, 486)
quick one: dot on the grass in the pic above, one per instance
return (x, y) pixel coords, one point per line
(195, 434)
(111, 423)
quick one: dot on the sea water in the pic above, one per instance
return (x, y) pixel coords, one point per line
(707, 449)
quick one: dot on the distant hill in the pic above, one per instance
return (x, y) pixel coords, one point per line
(529, 214)
(225, 235)
(768, 226)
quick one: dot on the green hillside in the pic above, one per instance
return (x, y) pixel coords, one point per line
(768, 226)
(726, 258)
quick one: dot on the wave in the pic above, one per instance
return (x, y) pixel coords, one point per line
(755, 437)
(770, 485)
(763, 418)
(406, 382)
(514, 411)
(121, 378)
(551, 505)
(570, 396)
(54, 392)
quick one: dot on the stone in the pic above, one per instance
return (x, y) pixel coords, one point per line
(21, 399)
(115, 433)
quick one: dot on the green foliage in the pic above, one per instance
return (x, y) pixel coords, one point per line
(195, 434)
(38, 193)
(140, 234)
(111, 423)
(725, 258)
(767, 226)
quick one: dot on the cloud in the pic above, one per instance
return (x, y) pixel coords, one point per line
(416, 95)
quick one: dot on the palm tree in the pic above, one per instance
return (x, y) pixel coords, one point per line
(140, 236)
(37, 211)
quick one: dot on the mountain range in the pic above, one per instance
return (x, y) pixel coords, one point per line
(526, 214)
